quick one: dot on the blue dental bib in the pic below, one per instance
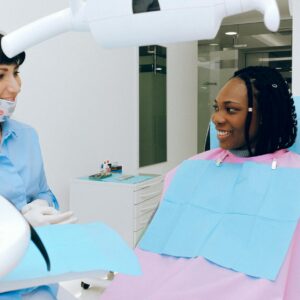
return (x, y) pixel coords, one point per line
(239, 216)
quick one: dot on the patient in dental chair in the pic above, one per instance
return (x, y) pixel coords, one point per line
(227, 226)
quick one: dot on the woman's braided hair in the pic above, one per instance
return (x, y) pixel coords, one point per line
(276, 109)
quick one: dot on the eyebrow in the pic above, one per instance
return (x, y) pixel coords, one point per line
(228, 101)
(6, 69)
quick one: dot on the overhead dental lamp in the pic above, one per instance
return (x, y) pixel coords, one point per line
(122, 23)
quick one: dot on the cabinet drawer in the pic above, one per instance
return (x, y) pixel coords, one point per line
(142, 221)
(148, 192)
(146, 207)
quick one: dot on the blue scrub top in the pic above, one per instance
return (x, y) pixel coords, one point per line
(22, 175)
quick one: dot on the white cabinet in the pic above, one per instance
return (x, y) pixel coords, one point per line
(126, 207)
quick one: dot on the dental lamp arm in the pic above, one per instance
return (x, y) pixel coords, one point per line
(36, 32)
(113, 23)
(43, 29)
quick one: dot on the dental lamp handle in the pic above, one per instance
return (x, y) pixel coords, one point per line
(268, 8)
(291, 7)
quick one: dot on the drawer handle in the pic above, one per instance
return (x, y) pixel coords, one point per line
(151, 184)
(149, 208)
(145, 222)
(150, 195)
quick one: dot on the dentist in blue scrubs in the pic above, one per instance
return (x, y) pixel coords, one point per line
(22, 176)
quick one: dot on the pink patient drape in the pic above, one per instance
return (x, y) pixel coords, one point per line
(170, 278)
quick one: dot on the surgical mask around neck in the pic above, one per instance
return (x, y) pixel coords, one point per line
(7, 108)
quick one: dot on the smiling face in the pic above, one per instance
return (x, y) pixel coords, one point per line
(231, 109)
(10, 82)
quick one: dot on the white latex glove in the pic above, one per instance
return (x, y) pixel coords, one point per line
(38, 213)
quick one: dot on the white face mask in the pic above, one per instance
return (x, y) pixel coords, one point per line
(7, 108)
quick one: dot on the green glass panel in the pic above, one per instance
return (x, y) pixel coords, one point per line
(153, 106)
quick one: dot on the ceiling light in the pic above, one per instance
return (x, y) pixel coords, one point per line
(231, 33)
(274, 40)
(213, 44)
(240, 45)
(267, 59)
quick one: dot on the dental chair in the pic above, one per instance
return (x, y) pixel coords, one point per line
(119, 23)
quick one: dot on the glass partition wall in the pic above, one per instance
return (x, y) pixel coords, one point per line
(152, 105)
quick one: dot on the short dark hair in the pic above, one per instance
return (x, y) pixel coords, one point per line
(276, 109)
(16, 60)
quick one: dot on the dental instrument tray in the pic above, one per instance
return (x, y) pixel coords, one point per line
(118, 178)
(101, 175)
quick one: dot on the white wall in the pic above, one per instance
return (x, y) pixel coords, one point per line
(79, 97)
(296, 67)
(296, 49)
(83, 100)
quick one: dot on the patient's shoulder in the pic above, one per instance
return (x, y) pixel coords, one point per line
(209, 155)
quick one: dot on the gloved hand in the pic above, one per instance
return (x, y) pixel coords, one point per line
(38, 213)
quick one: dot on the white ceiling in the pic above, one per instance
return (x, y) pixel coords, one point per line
(252, 36)
(252, 32)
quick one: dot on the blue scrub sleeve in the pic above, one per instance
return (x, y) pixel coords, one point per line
(44, 190)
(49, 196)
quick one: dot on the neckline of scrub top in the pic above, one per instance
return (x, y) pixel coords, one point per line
(7, 130)
(259, 158)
